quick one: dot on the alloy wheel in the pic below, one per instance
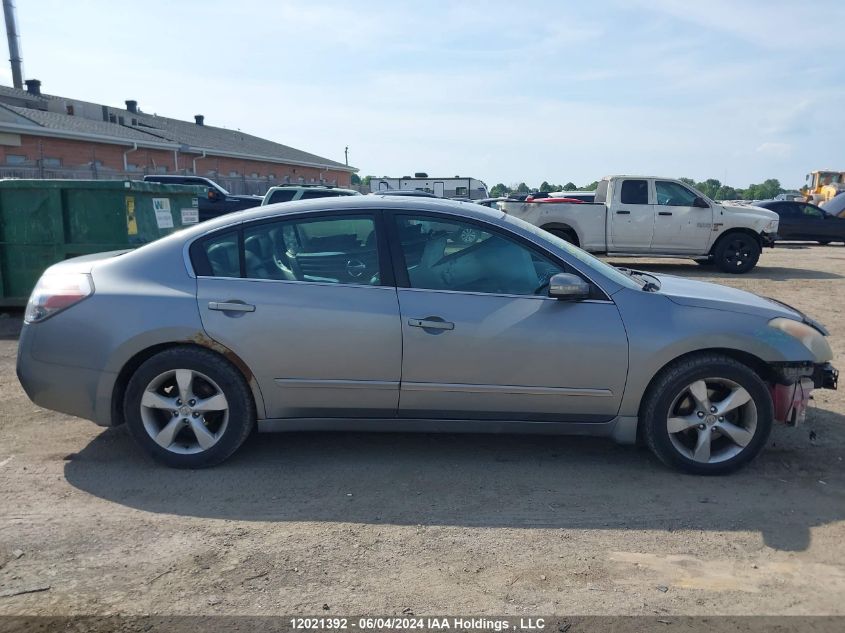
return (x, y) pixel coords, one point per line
(738, 252)
(468, 236)
(184, 411)
(712, 420)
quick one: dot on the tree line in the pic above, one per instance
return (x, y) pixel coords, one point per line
(711, 188)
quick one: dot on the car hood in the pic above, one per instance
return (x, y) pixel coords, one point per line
(701, 294)
(750, 210)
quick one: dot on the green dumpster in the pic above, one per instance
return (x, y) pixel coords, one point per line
(45, 221)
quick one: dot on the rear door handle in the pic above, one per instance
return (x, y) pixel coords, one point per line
(431, 324)
(623, 213)
(664, 213)
(230, 306)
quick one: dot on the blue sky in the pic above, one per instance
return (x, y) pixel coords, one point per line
(506, 92)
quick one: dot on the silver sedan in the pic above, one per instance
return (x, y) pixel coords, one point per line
(372, 313)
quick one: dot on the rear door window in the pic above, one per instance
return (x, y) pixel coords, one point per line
(217, 256)
(335, 250)
(634, 192)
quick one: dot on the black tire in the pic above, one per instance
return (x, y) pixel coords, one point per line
(566, 235)
(203, 364)
(672, 382)
(737, 252)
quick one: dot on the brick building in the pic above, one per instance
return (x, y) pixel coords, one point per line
(46, 136)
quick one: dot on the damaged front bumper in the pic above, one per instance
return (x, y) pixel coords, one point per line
(769, 239)
(792, 393)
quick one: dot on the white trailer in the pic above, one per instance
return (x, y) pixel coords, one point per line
(455, 187)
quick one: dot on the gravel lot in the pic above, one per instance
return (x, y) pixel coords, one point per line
(356, 524)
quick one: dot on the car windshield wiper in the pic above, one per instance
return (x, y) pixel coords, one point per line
(648, 286)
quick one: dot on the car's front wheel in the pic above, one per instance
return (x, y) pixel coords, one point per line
(707, 415)
(737, 253)
(188, 407)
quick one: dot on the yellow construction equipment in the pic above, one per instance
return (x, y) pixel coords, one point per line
(823, 184)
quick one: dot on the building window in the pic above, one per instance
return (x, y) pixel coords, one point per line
(51, 162)
(254, 174)
(161, 169)
(233, 174)
(271, 176)
(131, 167)
(15, 159)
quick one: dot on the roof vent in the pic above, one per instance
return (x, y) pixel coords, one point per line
(33, 86)
(200, 119)
(132, 105)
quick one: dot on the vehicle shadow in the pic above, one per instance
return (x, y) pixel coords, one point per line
(481, 481)
(689, 268)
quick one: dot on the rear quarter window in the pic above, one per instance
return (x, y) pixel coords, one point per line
(217, 255)
(282, 195)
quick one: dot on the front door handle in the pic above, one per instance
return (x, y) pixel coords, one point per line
(621, 212)
(230, 306)
(664, 213)
(431, 323)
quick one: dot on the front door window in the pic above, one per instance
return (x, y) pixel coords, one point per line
(443, 254)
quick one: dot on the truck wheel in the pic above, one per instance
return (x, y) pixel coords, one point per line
(737, 253)
(707, 415)
(188, 408)
(565, 235)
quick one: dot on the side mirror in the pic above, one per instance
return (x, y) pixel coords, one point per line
(568, 287)
(701, 203)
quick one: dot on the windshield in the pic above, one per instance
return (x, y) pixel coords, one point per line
(584, 257)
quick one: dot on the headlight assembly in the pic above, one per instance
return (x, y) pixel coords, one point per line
(809, 337)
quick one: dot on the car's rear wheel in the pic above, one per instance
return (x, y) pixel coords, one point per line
(737, 253)
(188, 407)
(707, 415)
(566, 235)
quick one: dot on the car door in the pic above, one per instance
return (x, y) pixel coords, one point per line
(481, 338)
(791, 223)
(679, 225)
(816, 222)
(306, 303)
(631, 216)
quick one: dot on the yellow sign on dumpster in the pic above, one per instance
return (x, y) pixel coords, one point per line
(131, 222)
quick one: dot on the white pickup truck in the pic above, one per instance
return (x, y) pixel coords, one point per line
(656, 217)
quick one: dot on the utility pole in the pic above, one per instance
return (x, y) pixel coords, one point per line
(346, 155)
(14, 43)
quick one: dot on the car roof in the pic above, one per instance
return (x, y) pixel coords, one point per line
(350, 203)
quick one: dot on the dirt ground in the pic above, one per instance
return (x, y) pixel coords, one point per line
(357, 524)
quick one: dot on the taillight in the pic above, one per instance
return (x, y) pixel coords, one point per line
(56, 291)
